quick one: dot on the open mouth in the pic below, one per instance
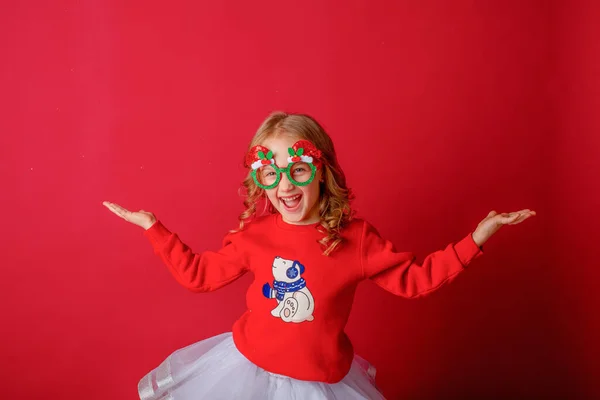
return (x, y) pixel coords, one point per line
(291, 203)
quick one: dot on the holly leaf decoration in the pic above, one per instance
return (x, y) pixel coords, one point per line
(269, 155)
(300, 151)
(291, 152)
(261, 155)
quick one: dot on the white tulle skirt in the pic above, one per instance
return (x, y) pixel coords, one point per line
(214, 369)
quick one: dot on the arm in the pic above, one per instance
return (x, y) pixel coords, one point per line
(198, 272)
(398, 272)
(401, 275)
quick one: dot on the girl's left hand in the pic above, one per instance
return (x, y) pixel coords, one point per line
(494, 221)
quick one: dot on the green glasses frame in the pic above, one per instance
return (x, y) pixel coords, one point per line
(288, 173)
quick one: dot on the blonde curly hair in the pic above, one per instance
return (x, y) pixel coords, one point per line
(335, 197)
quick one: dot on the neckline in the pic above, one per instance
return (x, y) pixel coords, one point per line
(293, 227)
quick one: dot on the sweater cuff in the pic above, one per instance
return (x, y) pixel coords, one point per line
(157, 233)
(467, 250)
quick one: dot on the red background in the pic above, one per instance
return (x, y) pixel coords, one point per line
(440, 111)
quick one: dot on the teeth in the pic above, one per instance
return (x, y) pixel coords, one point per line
(286, 199)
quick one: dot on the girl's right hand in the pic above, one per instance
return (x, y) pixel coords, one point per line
(141, 218)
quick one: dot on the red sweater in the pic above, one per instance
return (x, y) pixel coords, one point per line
(300, 300)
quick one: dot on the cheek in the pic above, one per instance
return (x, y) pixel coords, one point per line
(272, 196)
(311, 192)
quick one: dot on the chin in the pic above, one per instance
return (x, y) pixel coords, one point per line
(299, 217)
(293, 217)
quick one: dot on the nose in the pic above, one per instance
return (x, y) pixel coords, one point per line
(285, 184)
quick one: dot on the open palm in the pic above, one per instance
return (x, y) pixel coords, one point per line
(494, 221)
(141, 218)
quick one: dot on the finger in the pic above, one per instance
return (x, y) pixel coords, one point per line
(523, 211)
(517, 220)
(120, 211)
(508, 218)
(515, 212)
(522, 218)
(115, 212)
(110, 206)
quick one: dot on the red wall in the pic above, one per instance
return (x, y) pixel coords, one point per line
(439, 113)
(576, 196)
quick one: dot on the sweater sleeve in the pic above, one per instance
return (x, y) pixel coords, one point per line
(398, 273)
(198, 272)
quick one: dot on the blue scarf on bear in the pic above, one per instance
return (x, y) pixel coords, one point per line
(284, 287)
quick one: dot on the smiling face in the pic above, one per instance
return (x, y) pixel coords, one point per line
(297, 204)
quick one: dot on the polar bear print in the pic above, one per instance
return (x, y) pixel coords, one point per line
(295, 302)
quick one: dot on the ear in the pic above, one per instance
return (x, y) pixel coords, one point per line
(292, 272)
(299, 266)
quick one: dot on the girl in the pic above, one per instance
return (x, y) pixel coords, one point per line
(307, 255)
